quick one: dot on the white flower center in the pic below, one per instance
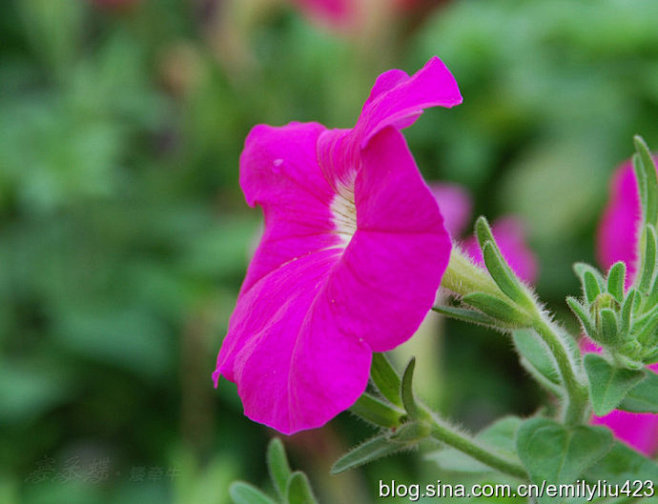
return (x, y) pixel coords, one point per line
(343, 210)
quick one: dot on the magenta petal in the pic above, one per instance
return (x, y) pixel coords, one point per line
(387, 279)
(617, 236)
(279, 171)
(401, 104)
(294, 367)
(455, 204)
(510, 237)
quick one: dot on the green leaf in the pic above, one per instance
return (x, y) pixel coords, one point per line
(609, 327)
(608, 385)
(622, 464)
(581, 313)
(591, 287)
(385, 378)
(407, 393)
(411, 433)
(244, 493)
(498, 268)
(503, 274)
(277, 465)
(648, 260)
(616, 279)
(497, 308)
(627, 314)
(373, 449)
(466, 315)
(558, 454)
(299, 490)
(643, 398)
(500, 435)
(647, 166)
(581, 268)
(535, 352)
(376, 411)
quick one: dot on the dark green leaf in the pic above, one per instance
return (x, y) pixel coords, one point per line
(500, 435)
(503, 275)
(622, 464)
(609, 327)
(277, 464)
(299, 490)
(608, 385)
(385, 378)
(649, 175)
(497, 308)
(583, 316)
(244, 493)
(466, 315)
(643, 398)
(648, 259)
(616, 279)
(533, 349)
(591, 287)
(556, 453)
(378, 412)
(407, 393)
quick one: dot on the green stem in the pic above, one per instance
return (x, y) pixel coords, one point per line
(464, 443)
(576, 407)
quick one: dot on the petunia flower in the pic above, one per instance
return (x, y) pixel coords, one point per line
(333, 13)
(456, 206)
(617, 233)
(352, 254)
(617, 241)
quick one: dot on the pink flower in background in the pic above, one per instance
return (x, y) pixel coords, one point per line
(617, 241)
(617, 235)
(335, 13)
(352, 254)
(456, 207)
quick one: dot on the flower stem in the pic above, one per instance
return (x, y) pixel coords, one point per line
(577, 397)
(447, 434)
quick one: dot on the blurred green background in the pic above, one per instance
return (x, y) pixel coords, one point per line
(124, 235)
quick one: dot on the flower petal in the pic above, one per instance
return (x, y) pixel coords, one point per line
(401, 104)
(279, 171)
(388, 276)
(455, 204)
(617, 236)
(294, 367)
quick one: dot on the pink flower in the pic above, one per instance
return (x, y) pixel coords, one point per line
(352, 254)
(617, 241)
(334, 13)
(456, 206)
(617, 236)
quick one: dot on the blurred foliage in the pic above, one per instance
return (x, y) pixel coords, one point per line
(124, 236)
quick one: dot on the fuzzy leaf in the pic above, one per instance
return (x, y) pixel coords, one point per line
(643, 398)
(376, 411)
(299, 490)
(646, 165)
(583, 316)
(244, 493)
(277, 465)
(373, 449)
(609, 327)
(385, 378)
(648, 259)
(608, 385)
(622, 464)
(531, 347)
(616, 279)
(497, 308)
(581, 268)
(559, 454)
(591, 287)
(466, 315)
(501, 435)
(407, 393)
